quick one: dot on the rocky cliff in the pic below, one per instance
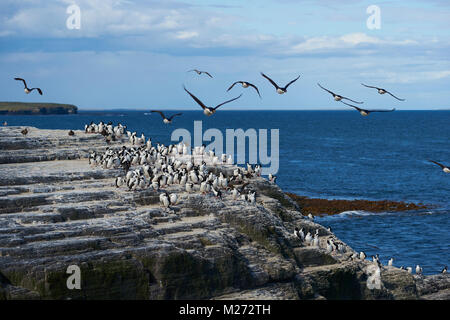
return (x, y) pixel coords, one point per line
(56, 211)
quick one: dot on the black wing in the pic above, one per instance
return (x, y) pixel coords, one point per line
(39, 90)
(291, 82)
(172, 116)
(162, 114)
(365, 110)
(207, 73)
(378, 110)
(227, 102)
(351, 100)
(233, 85)
(252, 85)
(20, 79)
(331, 92)
(439, 164)
(196, 99)
(365, 85)
(359, 109)
(271, 81)
(394, 96)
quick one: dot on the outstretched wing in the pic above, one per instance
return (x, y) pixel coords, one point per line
(253, 86)
(227, 101)
(162, 114)
(394, 96)
(359, 109)
(20, 79)
(201, 104)
(331, 92)
(207, 74)
(271, 81)
(351, 100)
(233, 85)
(365, 85)
(382, 110)
(439, 164)
(172, 116)
(292, 82)
(39, 90)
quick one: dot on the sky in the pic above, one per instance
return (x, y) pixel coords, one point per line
(135, 54)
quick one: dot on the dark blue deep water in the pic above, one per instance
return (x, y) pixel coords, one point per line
(338, 155)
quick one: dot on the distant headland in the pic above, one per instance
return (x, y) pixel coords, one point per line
(36, 108)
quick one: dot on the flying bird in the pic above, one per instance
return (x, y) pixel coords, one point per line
(338, 97)
(446, 169)
(365, 112)
(208, 110)
(245, 84)
(280, 90)
(200, 72)
(382, 91)
(26, 89)
(167, 120)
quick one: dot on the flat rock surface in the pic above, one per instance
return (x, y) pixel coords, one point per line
(57, 211)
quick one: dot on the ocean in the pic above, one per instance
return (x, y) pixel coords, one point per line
(336, 155)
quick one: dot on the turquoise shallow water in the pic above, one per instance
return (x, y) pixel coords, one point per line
(341, 155)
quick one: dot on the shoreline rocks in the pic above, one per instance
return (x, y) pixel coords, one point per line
(63, 212)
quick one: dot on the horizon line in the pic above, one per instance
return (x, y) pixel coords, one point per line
(247, 109)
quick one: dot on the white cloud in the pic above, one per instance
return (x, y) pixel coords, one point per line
(186, 34)
(346, 41)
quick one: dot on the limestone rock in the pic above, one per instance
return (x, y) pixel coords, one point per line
(57, 211)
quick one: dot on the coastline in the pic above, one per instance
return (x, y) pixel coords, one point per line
(36, 108)
(57, 211)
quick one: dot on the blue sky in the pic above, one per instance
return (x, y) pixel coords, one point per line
(135, 54)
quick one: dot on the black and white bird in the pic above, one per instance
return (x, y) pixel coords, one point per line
(444, 270)
(280, 90)
(209, 110)
(391, 262)
(165, 119)
(362, 255)
(26, 89)
(418, 270)
(338, 97)
(446, 169)
(382, 91)
(272, 178)
(245, 84)
(200, 72)
(366, 112)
